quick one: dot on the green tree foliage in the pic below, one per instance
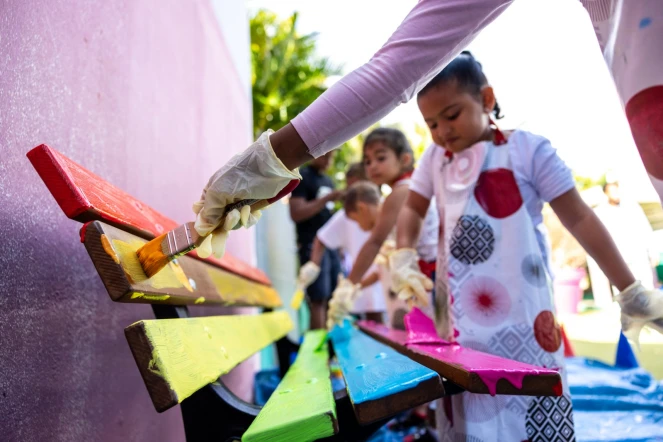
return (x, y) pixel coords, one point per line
(287, 76)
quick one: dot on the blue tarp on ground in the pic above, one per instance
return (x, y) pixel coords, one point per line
(614, 404)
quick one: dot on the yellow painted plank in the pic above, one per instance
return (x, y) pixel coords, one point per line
(177, 357)
(184, 281)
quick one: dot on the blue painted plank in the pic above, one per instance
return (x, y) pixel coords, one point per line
(380, 378)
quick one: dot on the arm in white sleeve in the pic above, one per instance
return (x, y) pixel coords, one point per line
(432, 34)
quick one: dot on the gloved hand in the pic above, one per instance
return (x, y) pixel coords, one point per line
(215, 242)
(308, 273)
(256, 173)
(407, 280)
(382, 257)
(341, 302)
(640, 307)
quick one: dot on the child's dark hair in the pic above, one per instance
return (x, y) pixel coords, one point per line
(394, 139)
(356, 170)
(362, 191)
(468, 73)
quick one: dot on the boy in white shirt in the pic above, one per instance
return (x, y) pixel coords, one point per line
(340, 232)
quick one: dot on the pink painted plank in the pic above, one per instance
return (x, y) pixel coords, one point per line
(475, 371)
(84, 196)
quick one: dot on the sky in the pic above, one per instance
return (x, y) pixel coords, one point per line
(541, 57)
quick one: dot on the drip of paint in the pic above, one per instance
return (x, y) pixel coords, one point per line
(421, 329)
(180, 275)
(108, 248)
(199, 300)
(82, 232)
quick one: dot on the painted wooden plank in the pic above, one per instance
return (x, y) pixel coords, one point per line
(183, 281)
(302, 407)
(474, 371)
(177, 357)
(380, 381)
(84, 196)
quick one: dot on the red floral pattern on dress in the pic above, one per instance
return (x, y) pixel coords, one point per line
(497, 193)
(546, 331)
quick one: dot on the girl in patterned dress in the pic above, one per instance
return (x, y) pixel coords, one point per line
(495, 295)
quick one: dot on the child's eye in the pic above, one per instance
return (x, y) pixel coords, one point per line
(381, 159)
(432, 126)
(454, 116)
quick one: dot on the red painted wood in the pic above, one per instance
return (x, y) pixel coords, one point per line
(84, 196)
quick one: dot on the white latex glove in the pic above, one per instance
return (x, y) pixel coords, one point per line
(341, 302)
(407, 280)
(640, 307)
(255, 173)
(387, 248)
(308, 273)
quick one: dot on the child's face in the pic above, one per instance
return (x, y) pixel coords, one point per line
(457, 120)
(381, 163)
(365, 215)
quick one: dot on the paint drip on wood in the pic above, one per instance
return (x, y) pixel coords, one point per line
(488, 367)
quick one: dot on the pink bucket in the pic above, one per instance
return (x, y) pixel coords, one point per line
(567, 291)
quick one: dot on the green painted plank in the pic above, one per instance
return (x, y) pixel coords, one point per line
(302, 407)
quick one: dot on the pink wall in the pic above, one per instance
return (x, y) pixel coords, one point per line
(145, 94)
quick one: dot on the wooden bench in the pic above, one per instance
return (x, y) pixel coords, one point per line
(181, 358)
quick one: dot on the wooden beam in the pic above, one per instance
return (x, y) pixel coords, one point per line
(84, 196)
(380, 381)
(302, 407)
(177, 357)
(475, 371)
(184, 281)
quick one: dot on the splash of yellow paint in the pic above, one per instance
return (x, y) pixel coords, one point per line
(137, 295)
(199, 300)
(234, 289)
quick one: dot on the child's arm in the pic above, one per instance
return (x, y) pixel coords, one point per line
(301, 209)
(592, 235)
(317, 252)
(384, 225)
(310, 270)
(369, 280)
(410, 219)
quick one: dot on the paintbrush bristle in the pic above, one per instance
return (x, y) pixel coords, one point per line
(152, 257)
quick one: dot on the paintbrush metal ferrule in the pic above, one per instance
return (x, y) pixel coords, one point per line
(180, 241)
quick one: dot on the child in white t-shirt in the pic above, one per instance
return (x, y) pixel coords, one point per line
(342, 233)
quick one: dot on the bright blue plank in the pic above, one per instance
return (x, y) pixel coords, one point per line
(371, 369)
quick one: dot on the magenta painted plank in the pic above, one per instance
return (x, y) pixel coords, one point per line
(489, 368)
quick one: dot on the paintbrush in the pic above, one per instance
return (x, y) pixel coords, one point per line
(157, 253)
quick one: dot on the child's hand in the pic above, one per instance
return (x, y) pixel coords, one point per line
(640, 307)
(383, 255)
(407, 280)
(308, 274)
(341, 302)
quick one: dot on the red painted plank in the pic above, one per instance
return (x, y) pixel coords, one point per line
(84, 196)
